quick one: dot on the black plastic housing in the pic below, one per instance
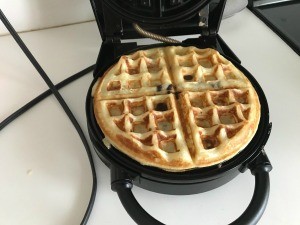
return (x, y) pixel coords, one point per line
(115, 18)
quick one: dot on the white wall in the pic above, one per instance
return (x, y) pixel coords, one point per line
(27, 15)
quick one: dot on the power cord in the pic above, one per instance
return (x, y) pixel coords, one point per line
(44, 95)
(63, 104)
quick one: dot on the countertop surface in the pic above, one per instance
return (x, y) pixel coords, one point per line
(45, 173)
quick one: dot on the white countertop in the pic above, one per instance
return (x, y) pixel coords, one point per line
(45, 174)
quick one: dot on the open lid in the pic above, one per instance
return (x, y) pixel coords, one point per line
(156, 12)
(164, 17)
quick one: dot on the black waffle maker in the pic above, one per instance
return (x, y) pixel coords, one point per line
(115, 19)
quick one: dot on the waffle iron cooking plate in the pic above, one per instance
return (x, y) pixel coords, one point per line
(159, 16)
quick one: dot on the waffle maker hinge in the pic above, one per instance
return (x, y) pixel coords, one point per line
(114, 27)
(209, 21)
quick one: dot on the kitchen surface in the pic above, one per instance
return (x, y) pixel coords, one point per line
(46, 177)
(283, 17)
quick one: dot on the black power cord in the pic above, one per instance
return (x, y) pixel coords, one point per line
(44, 95)
(61, 101)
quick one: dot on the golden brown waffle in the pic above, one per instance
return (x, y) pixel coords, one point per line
(139, 74)
(188, 108)
(195, 69)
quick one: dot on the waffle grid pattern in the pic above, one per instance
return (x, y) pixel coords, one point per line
(214, 117)
(136, 75)
(151, 117)
(201, 111)
(203, 69)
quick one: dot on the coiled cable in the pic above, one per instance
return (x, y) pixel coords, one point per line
(154, 36)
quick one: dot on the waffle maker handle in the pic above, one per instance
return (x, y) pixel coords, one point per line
(260, 168)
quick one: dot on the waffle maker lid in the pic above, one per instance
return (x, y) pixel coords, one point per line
(164, 17)
(156, 12)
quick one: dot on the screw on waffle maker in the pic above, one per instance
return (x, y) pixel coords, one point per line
(119, 20)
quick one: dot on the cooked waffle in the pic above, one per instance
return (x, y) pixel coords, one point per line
(176, 108)
(195, 69)
(139, 74)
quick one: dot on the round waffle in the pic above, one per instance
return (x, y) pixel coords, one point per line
(176, 108)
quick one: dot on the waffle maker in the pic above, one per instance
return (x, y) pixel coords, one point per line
(115, 19)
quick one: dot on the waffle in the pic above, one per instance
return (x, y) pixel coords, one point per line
(176, 108)
(136, 75)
